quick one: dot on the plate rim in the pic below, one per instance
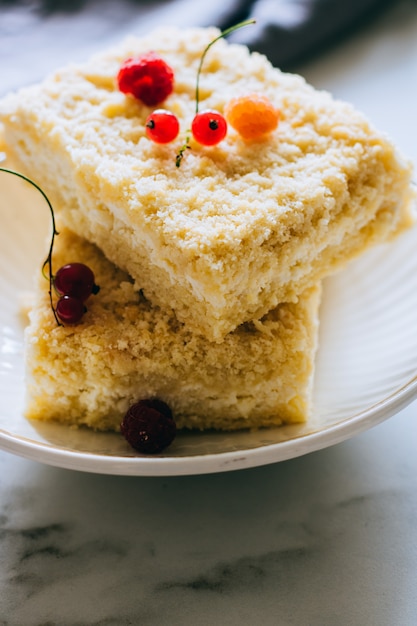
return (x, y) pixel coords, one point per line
(214, 462)
(161, 466)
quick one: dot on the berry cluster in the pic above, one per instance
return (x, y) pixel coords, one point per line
(74, 282)
(151, 80)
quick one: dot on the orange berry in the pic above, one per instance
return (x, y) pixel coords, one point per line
(253, 116)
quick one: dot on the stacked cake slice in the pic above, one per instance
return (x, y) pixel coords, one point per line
(209, 271)
(126, 349)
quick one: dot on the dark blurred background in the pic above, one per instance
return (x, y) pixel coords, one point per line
(38, 35)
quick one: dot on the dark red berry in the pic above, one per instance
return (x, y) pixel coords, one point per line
(209, 127)
(76, 280)
(148, 78)
(162, 126)
(148, 426)
(70, 310)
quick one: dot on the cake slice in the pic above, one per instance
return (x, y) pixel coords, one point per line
(125, 350)
(238, 227)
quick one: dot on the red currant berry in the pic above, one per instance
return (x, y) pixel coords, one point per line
(148, 78)
(69, 310)
(148, 426)
(209, 127)
(76, 280)
(162, 126)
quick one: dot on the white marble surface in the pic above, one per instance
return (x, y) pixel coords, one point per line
(325, 540)
(328, 539)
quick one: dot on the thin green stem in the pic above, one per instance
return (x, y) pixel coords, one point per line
(48, 260)
(224, 33)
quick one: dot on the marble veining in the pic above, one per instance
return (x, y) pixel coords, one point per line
(322, 540)
(327, 539)
(246, 572)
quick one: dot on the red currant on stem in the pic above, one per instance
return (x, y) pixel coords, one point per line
(48, 261)
(70, 310)
(74, 282)
(208, 127)
(162, 126)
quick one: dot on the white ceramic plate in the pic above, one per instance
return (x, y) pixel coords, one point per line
(366, 365)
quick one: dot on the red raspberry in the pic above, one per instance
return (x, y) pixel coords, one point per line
(148, 78)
